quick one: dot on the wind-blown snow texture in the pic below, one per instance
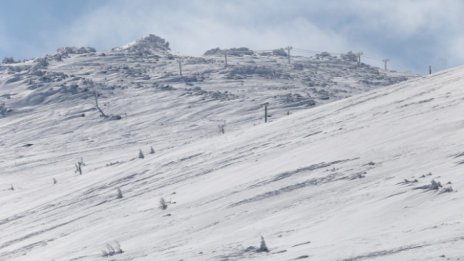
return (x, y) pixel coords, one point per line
(348, 180)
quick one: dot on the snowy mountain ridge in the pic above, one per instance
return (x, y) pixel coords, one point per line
(253, 78)
(360, 173)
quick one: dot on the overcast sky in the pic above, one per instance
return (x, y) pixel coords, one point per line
(412, 34)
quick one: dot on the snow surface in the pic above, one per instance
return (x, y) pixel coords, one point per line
(347, 180)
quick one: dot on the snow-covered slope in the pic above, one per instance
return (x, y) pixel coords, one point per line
(348, 180)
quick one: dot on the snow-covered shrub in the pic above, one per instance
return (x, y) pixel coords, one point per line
(407, 181)
(447, 189)
(4, 110)
(36, 70)
(114, 117)
(263, 246)
(111, 250)
(163, 204)
(295, 99)
(215, 51)
(152, 151)
(150, 45)
(42, 62)
(141, 156)
(8, 60)
(222, 127)
(298, 66)
(279, 52)
(349, 56)
(324, 56)
(263, 71)
(434, 185)
(86, 50)
(113, 163)
(119, 193)
(66, 51)
(241, 51)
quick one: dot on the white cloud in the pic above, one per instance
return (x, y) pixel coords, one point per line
(405, 17)
(410, 32)
(196, 26)
(456, 50)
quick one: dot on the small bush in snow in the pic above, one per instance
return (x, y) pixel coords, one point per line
(152, 151)
(42, 62)
(4, 110)
(12, 187)
(163, 204)
(222, 127)
(111, 250)
(279, 52)
(435, 185)
(141, 156)
(429, 174)
(447, 189)
(349, 56)
(54, 181)
(263, 246)
(119, 193)
(406, 181)
(8, 60)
